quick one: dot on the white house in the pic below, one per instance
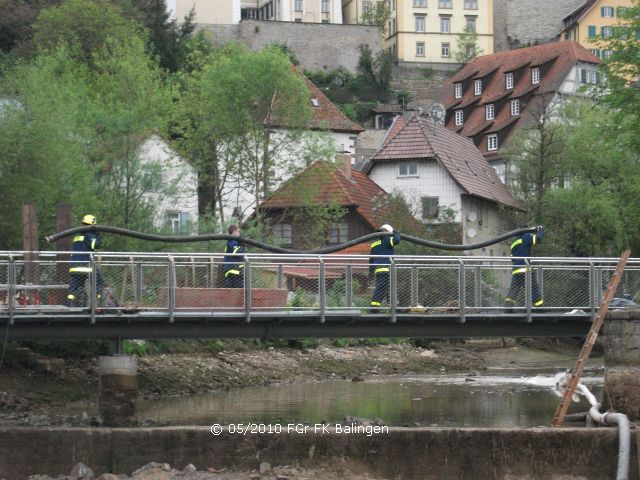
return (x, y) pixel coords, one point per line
(170, 183)
(435, 169)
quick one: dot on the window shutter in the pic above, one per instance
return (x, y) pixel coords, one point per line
(602, 31)
(583, 75)
(592, 31)
(602, 11)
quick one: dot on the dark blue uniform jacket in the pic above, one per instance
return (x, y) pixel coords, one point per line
(383, 246)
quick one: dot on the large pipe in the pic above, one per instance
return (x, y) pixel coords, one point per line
(274, 249)
(612, 418)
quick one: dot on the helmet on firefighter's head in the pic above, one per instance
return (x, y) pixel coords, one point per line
(386, 228)
(89, 220)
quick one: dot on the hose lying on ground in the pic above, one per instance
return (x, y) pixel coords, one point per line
(275, 249)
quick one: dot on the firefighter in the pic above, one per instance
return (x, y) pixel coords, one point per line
(80, 269)
(521, 247)
(380, 266)
(233, 261)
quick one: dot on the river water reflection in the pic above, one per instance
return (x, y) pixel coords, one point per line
(490, 399)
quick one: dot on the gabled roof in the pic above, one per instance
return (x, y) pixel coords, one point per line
(419, 138)
(578, 14)
(322, 183)
(326, 115)
(555, 59)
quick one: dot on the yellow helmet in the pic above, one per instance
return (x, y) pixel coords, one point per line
(89, 220)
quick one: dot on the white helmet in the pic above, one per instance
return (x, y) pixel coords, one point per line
(386, 228)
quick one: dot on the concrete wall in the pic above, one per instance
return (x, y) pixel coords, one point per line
(316, 46)
(520, 22)
(402, 453)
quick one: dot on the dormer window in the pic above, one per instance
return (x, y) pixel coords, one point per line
(315, 102)
(492, 142)
(515, 107)
(508, 80)
(459, 117)
(477, 87)
(535, 75)
(490, 112)
(458, 90)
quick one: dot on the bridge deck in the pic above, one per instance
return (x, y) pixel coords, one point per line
(161, 295)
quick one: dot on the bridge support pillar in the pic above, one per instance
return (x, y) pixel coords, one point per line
(622, 362)
(118, 390)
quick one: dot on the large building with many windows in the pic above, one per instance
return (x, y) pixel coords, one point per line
(228, 12)
(591, 21)
(426, 31)
(495, 95)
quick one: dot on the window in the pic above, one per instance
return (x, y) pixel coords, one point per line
(508, 80)
(178, 222)
(366, 7)
(606, 32)
(607, 12)
(297, 5)
(535, 75)
(249, 14)
(315, 102)
(471, 23)
(420, 3)
(477, 87)
(429, 207)
(419, 23)
(621, 11)
(282, 233)
(419, 49)
(458, 90)
(471, 4)
(339, 233)
(298, 20)
(445, 50)
(492, 142)
(445, 3)
(152, 177)
(445, 24)
(594, 51)
(324, 6)
(459, 117)
(515, 107)
(606, 54)
(588, 76)
(408, 169)
(490, 112)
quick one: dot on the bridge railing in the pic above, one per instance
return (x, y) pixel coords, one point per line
(327, 284)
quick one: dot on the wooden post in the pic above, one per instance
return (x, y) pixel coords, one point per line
(30, 243)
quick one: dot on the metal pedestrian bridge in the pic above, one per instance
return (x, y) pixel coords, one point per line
(179, 295)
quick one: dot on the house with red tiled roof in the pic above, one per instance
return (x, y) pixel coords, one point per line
(438, 170)
(324, 183)
(495, 95)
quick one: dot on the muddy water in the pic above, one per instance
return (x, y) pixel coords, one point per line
(494, 398)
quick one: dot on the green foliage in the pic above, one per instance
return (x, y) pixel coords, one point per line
(357, 94)
(427, 72)
(403, 97)
(467, 47)
(230, 105)
(286, 49)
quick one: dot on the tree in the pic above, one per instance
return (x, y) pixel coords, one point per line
(16, 24)
(89, 109)
(467, 47)
(535, 156)
(43, 158)
(244, 122)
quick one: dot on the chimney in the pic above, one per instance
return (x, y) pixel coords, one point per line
(344, 164)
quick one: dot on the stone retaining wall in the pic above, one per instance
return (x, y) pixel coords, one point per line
(402, 453)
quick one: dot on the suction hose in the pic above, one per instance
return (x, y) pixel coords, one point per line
(612, 418)
(275, 249)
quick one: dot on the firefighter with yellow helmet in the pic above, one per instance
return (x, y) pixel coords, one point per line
(82, 246)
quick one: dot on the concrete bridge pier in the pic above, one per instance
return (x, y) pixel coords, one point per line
(118, 390)
(622, 362)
